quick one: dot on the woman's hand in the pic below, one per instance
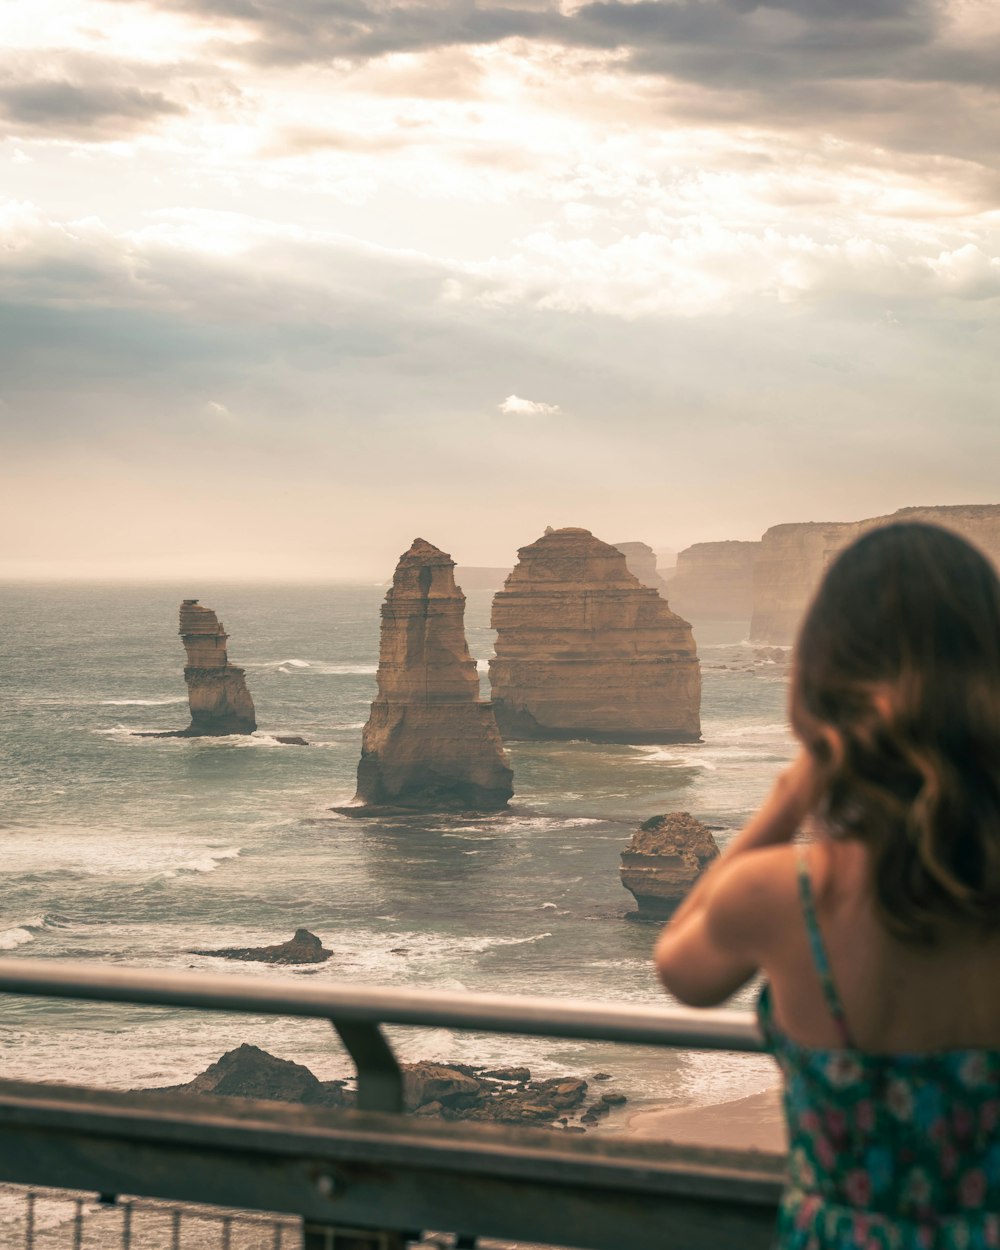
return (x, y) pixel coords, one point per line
(795, 795)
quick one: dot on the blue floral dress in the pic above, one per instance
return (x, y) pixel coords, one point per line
(886, 1152)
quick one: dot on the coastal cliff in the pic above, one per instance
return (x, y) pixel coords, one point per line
(640, 559)
(429, 743)
(217, 691)
(793, 558)
(664, 858)
(715, 580)
(584, 650)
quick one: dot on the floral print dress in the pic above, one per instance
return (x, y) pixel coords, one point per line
(886, 1152)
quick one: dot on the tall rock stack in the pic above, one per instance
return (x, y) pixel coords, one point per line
(430, 742)
(640, 559)
(217, 690)
(584, 650)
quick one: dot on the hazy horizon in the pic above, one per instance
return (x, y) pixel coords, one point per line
(284, 286)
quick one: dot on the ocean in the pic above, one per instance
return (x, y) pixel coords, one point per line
(137, 851)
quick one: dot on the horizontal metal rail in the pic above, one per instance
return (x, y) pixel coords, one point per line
(342, 1171)
(348, 1004)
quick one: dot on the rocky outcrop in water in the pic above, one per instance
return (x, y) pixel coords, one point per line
(640, 559)
(249, 1072)
(715, 580)
(217, 690)
(584, 650)
(793, 558)
(663, 860)
(442, 1091)
(430, 742)
(303, 948)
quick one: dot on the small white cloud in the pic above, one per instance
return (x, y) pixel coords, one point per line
(515, 406)
(217, 411)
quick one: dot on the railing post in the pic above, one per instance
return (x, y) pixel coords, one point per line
(380, 1082)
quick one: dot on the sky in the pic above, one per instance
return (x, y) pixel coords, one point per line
(287, 283)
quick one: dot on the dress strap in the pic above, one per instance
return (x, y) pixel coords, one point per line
(818, 948)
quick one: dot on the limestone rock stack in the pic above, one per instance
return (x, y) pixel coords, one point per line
(217, 690)
(793, 558)
(429, 741)
(715, 580)
(584, 650)
(663, 860)
(640, 559)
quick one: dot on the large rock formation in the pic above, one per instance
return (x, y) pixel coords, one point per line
(217, 690)
(429, 741)
(640, 559)
(584, 650)
(663, 860)
(715, 580)
(793, 558)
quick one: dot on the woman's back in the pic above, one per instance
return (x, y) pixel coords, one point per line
(881, 945)
(895, 1143)
(897, 996)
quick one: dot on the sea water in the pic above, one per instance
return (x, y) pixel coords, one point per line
(133, 851)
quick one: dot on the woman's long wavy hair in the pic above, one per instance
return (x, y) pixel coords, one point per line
(899, 656)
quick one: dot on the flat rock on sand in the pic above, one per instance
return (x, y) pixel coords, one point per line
(752, 1123)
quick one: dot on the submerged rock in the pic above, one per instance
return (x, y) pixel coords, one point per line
(663, 860)
(584, 650)
(303, 948)
(430, 742)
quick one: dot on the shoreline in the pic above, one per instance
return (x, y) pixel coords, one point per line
(753, 1122)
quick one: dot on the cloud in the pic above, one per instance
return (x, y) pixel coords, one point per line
(59, 108)
(885, 69)
(515, 406)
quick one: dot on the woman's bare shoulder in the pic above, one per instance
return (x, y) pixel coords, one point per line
(751, 898)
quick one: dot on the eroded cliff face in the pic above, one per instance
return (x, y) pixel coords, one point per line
(664, 858)
(429, 742)
(793, 558)
(584, 650)
(217, 691)
(640, 559)
(715, 580)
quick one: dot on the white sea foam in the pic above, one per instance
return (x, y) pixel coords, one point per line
(347, 670)
(203, 863)
(141, 702)
(10, 939)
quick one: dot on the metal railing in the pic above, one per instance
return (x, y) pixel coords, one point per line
(372, 1168)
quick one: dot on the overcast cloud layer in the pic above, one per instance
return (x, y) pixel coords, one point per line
(283, 285)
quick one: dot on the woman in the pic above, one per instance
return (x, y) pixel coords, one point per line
(879, 941)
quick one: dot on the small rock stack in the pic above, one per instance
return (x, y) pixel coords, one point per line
(663, 860)
(217, 691)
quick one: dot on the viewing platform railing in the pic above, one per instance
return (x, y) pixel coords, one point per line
(373, 1177)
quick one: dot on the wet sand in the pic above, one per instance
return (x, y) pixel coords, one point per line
(752, 1123)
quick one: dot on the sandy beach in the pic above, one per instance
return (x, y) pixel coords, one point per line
(752, 1123)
